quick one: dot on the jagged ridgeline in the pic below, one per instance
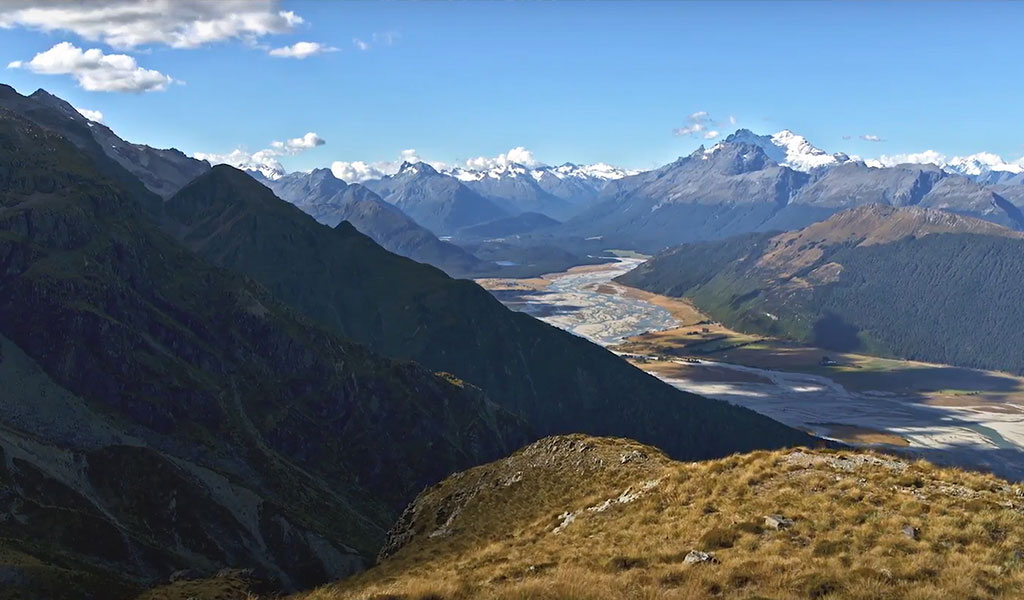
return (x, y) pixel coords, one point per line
(161, 414)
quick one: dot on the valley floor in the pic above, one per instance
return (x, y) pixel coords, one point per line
(946, 414)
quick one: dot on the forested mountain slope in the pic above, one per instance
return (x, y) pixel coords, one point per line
(908, 282)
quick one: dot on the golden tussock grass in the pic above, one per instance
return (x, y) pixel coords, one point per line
(864, 526)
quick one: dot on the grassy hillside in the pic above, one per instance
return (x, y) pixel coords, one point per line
(576, 517)
(912, 283)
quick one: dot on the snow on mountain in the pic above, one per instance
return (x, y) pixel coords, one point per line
(271, 170)
(983, 163)
(788, 149)
(597, 172)
(983, 167)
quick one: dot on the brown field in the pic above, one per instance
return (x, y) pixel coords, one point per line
(696, 372)
(498, 284)
(859, 435)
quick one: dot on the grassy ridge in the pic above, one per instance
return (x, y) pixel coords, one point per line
(863, 526)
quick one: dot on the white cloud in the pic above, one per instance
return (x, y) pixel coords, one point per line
(94, 70)
(359, 171)
(518, 155)
(296, 145)
(92, 115)
(263, 161)
(974, 164)
(387, 38)
(266, 160)
(378, 39)
(732, 120)
(133, 23)
(301, 50)
(919, 158)
(710, 135)
(697, 123)
(868, 137)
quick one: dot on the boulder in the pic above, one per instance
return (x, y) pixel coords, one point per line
(696, 557)
(777, 522)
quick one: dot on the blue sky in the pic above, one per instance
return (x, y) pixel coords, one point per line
(571, 81)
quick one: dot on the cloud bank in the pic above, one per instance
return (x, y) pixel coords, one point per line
(95, 71)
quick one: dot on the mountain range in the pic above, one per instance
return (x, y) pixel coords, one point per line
(215, 379)
(558, 192)
(330, 201)
(737, 187)
(909, 282)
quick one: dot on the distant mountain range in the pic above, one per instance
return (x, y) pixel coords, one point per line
(746, 183)
(330, 201)
(737, 187)
(909, 282)
(439, 202)
(558, 192)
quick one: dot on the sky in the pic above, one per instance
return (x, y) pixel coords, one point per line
(633, 84)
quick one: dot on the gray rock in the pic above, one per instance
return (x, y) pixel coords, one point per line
(777, 522)
(911, 532)
(696, 557)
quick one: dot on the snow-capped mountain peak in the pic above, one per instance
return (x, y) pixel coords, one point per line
(788, 149)
(983, 163)
(416, 168)
(597, 172)
(271, 170)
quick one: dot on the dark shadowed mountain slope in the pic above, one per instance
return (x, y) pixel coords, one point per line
(527, 222)
(330, 201)
(162, 172)
(909, 282)
(401, 308)
(159, 413)
(439, 202)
